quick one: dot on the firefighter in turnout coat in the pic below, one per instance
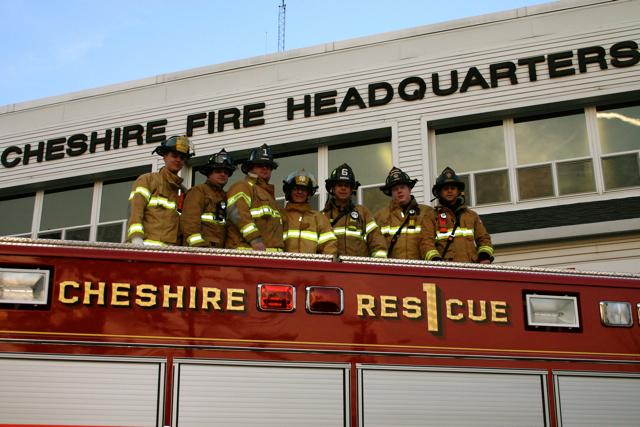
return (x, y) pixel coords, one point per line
(357, 232)
(156, 198)
(204, 214)
(407, 225)
(305, 230)
(254, 221)
(460, 234)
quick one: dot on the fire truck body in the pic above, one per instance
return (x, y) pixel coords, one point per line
(111, 335)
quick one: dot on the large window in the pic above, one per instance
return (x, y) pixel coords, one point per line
(17, 215)
(529, 158)
(66, 214)
(113, 211)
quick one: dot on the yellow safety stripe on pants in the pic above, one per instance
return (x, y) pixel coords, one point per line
(248, 229)
(379, 254)
(208, 217)
(300, 234)
(148, 242)
(326, 237)
(341, 231)
(460, 232)
(387, 229)
(195, 239)
(370, 227)
(241, 195)
(263, 210)
(431, 254)
(144, 192)
(248, 248)
(135, 228)
(486, 249)
(162, 202)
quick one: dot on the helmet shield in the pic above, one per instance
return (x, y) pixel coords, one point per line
(259, 156)
(342, 173)
(448, 176)
(299, 178)
(397, 176)
(221, 160)
(176, 144)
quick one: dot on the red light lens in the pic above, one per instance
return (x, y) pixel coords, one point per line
(324, 300)
(276, 297)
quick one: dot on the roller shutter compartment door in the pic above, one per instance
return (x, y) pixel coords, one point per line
(258, 395)
(424, 397)
(70, 391)
(598, 400)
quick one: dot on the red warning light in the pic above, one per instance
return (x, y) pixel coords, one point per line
(324, 300)
(276, 297)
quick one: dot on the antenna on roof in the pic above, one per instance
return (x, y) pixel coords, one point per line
(282, 11)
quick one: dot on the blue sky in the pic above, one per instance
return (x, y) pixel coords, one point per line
(52, 47)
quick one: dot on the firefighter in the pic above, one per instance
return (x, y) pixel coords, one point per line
(204, 213)
(407, 225)
(460, 234)
(156, 197)
(305, 230)
(253, 217)
(357, 232)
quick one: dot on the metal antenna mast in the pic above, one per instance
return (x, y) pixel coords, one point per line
(282, 11)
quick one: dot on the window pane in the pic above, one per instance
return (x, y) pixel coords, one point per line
(66, 208)
(576, 177)
(50, 235)
(288, 164)
(77, 234)
(492, 187)
(468, 191)
(114, 203)
(374, 199)
(619, 129)
(16, 215)
(371, 163)
(110, 233)
(621, 171)
(553, 138)
(470, 150)
(535, 182)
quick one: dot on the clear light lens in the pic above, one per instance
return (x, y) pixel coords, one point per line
(324, 300)
(614, 313)
(18, 286)
(552, 310)
(276, 297)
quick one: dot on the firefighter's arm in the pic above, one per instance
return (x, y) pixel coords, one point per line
(138, 200)
(483, 241)
(428, 250)
(327, 242)
(376, 242)
(239, 213)
(192, 210)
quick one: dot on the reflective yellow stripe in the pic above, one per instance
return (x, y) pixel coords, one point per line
(341, 231)
(325, 237)
(135, 228)
(388, 230)
(194, 239)
(162, 202)
(379, 254)
(241, 195)
(148, 242)
(370, 227)
(432, 254)
(248, 248)
(248, 229)
(486, 249)
(264, 210)
(466, 232)
(144, 192)
(210, 218)
(300, 234)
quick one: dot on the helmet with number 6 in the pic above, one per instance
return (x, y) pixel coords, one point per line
(342, 173)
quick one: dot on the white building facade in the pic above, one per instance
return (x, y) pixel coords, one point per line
(537, 108)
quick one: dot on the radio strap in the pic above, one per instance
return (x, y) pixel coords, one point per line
(453, 233)
(396, 236)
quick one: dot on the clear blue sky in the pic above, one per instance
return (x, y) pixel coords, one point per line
(52, 47)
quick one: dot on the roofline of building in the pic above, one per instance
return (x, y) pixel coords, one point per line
(335, 46)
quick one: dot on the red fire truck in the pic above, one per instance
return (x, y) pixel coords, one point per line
(110, 335)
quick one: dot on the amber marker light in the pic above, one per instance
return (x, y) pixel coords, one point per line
(324, 300)
(276, 297)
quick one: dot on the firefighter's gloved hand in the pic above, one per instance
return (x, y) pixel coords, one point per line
(137, 241)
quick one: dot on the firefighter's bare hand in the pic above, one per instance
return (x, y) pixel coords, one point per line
(257, 245)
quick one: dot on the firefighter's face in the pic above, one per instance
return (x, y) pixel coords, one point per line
(219, 177)
(174, 162)
(299, 194)
(401, 194)
(342, 191)
(449, 193)
(262, 170)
